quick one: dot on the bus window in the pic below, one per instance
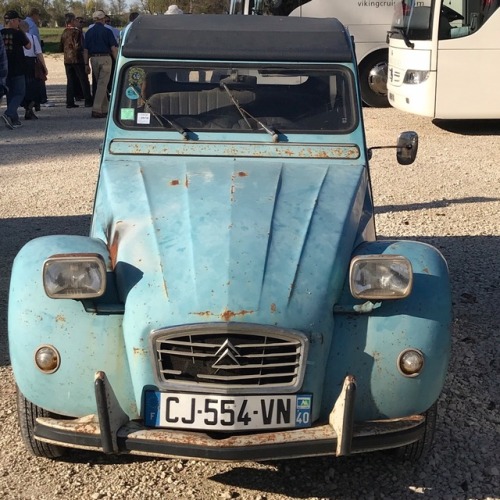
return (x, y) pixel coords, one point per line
(465, 18)
(414, 19)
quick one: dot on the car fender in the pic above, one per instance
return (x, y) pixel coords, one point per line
(368, 341)
(86, 341)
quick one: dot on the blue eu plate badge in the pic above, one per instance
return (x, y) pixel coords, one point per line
(303, 411)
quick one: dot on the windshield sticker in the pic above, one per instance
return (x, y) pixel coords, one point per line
(143, 118)
(127, 114)
(133, 92)
(136, 77)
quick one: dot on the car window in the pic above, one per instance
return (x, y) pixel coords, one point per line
(243, 98)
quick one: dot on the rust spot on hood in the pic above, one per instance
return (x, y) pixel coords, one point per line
(226, 315)
(273, 308)
(113, 241)
(202, 313)
(177, 182)
(229, 315)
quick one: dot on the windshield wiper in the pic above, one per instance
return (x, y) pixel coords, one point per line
(402, 31)
(244, 113)
(161, 119)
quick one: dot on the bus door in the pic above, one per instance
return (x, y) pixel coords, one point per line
(468, 60)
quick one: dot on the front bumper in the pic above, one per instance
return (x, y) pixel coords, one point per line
(111, 432)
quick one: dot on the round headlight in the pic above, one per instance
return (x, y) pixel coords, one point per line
(411, 362)
(47, 359)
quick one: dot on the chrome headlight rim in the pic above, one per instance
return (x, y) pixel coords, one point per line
(56, 358)
(385, 260)
(76, 259)
(410, 350)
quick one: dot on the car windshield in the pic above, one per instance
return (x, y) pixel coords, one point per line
(236, 98)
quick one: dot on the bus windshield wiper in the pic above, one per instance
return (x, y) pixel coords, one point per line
(161, 119)
(244, 113)
(407, 41)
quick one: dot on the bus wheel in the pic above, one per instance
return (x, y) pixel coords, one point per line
(373, 80)
(27, 414)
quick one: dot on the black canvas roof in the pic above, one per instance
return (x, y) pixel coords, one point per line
(238, 37)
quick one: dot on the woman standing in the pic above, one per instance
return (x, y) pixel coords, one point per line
(34, 89)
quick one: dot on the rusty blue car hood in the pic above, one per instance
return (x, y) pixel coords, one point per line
(224, 239)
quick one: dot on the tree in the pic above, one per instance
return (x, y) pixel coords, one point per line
(155, 6)
(117, 7)
(207, 6)
(57, 11)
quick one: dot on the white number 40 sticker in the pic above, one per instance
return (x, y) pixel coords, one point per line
(303, 413)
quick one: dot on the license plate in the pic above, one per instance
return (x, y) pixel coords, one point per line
(226, 413)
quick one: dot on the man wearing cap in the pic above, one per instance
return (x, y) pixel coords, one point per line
(15, 42)
(100, 47)
(173, 10)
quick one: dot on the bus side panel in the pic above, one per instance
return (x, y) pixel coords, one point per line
(468, 74)
(367, 23)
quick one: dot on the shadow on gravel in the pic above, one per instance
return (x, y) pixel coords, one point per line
(469, 127)
(369, 476)
(51, 147)
(326, 477)
(412, 207)
(73, 456)
(57, 132)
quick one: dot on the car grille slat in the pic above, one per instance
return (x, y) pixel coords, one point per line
(243, 377)
(229, 358)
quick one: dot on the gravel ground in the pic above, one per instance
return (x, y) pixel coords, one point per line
(449, 198)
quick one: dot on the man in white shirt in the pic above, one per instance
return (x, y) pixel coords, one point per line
(116, 31)
(33, 19)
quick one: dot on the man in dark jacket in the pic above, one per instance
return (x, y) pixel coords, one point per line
(15, 41)
(72, 46)
(3, 68)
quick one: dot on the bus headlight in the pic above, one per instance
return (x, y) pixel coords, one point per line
(74, 276)
(415, 76)
(380, 277)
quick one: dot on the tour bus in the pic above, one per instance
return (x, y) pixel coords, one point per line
(444, 58)
(367, 20)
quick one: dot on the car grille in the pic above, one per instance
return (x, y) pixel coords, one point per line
(229, 358)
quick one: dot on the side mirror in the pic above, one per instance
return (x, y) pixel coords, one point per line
(407, 148)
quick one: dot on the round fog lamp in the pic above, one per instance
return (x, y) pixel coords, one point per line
(410, 362)
(47, 359)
